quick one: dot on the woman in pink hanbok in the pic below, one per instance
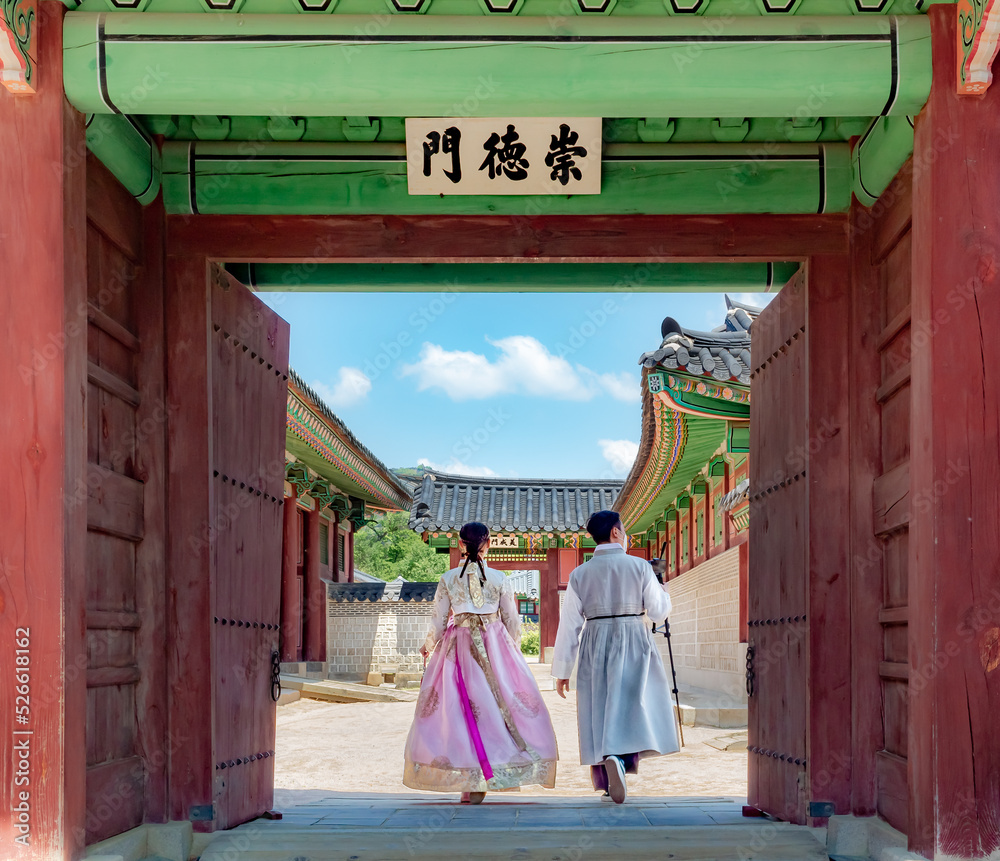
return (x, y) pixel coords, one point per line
(480, 722)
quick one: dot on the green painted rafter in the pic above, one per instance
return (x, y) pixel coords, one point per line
(331, 179)
(503, 66)
(525, 277)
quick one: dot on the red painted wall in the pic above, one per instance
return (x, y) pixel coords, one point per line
(42, 459)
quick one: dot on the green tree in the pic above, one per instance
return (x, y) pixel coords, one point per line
(388, 549)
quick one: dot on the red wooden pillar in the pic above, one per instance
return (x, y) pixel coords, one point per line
(315, 615)
(954, 547)
(827, 461)
(43, 325)
(454, 557)
(349, 554)
(289, 581)
(191, 533)
(548, 601)
(744, 552)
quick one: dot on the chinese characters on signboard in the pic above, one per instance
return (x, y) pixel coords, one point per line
(507, 541)
(529, 155)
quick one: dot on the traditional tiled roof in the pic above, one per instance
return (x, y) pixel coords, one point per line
(338, 446)
(380, 591)
(723, 353)
(445, 502)
(738, 494)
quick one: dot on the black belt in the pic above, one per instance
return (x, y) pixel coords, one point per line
(616, 616)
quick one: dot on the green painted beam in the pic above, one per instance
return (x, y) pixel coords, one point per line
(419, 65)
(127, 151)
(879, 154)
(517, 277)
(332, 179)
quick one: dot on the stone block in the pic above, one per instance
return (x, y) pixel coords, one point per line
(847, 835)
(200, 844)
(171, 840)
(374, 679)
(408, 680)
(128, 846)
(287, 697)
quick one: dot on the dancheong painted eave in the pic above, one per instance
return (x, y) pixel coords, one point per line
(702, 382)
(428, 66)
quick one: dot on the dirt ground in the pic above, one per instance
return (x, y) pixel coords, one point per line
(358, 747)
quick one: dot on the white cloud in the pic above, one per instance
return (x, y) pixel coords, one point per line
(622, 387)
(524, 366)
(620, 453)
(351, 387)
(457, 467)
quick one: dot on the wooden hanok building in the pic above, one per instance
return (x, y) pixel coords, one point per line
(684, 497)
(534, 525)
(332, 482)
(158, 157)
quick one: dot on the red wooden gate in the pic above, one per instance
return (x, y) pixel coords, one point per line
(778, 577)
(249, 385)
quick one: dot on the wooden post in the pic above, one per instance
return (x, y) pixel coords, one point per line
(315, 617)
(289, 581)
(954, 472)
(454, 557)
(548, 601)
(744, 551)
(191, 534)
(867, 589)
(828, 474)
(43, 324)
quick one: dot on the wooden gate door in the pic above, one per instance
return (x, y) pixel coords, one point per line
(777, 656)
(249, 390)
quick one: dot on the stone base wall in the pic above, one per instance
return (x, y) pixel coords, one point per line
(375, 637)
(704, 628)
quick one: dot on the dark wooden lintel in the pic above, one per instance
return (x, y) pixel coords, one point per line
(113, 620)
(893, 328)
(103, 677)
(114, 385)
(486, 239)
(112, 327)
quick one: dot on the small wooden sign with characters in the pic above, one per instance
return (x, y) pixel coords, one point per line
(528, 155)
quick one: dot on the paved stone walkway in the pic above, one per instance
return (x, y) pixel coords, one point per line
(372, 827)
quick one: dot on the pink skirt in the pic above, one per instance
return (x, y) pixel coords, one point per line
(480, 723)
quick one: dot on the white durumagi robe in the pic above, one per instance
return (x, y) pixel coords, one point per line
(623, 697)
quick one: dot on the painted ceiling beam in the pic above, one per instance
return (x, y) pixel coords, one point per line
(518, 277)
(879, 154)
(284, 65)
(126, 149)
(331, 179)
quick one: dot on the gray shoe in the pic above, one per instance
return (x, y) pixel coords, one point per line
(615, 769)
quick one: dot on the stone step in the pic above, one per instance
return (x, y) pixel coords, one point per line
(429, 839)
(345, 692)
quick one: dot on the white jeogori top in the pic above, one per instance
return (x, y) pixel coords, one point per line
(453, 596)
(613, 583)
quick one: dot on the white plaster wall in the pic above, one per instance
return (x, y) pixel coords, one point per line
(704, 628)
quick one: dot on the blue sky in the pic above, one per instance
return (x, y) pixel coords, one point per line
(513, 384)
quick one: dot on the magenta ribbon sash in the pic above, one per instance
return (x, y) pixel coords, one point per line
(470, 722)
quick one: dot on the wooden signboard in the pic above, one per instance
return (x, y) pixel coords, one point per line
(528, 155)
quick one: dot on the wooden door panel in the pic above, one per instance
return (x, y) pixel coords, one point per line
(778, 575)
(891, 503)
(249, 354)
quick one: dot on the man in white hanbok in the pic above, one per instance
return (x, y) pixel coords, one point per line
(624, 709)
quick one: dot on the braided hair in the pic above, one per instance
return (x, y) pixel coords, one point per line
(475, 536)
